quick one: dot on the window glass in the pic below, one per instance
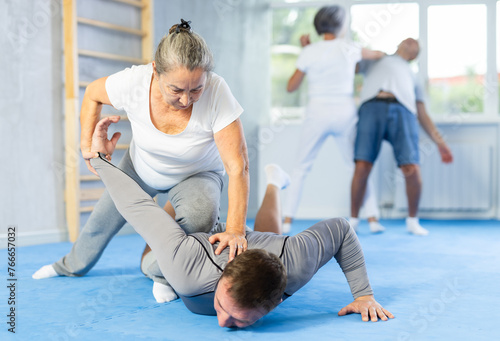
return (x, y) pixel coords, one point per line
(384, 26)
(456, 58)
(288, 25)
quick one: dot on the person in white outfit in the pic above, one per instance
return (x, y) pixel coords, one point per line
(187, 133)
(330, 67)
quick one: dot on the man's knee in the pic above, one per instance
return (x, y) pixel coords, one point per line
(340, 225)
(363, 169)
(411, 171)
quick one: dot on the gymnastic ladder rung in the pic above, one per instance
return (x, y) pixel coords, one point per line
(135, 3)
(83, 84)
(122, 146)
(86, 209)
(74, 195)
(88, 178)
(111, 56)
(91, 194)
(109, 26)
(122, 117)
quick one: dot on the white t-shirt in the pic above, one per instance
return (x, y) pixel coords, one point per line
(392, 74)
(330, 67)
(163, 160)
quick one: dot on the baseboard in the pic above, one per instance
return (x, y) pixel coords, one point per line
(35, 238)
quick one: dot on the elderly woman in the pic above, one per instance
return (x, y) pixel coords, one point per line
(186, 133)
(330, 68)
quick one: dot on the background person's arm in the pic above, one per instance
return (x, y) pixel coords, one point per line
(298, 76)
(431, 130)
(295, 81)
(371, 54)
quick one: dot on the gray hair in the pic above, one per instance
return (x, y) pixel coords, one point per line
(183, 47)
(330, 19)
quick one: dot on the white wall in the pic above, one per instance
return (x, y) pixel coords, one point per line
(31, 121)
(327, 188)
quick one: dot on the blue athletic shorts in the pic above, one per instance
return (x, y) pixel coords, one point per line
(381, 119)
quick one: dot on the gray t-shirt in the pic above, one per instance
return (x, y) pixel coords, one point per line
(189, 263)
(391, 74)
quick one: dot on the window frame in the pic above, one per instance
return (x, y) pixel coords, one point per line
(491, 96)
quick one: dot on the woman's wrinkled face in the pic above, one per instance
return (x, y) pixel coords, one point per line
(181, 87)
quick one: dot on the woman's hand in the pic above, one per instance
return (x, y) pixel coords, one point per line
(305, 40)
(368, 308)
(100, 141)
(237, 243)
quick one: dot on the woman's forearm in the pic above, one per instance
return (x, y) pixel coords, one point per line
(238, 189)
(95, 96)
(295, 81)
(89, 116)
(233, 151)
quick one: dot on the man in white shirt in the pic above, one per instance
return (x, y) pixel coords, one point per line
(392, 101)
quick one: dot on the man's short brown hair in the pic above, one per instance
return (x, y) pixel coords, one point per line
(257, 279)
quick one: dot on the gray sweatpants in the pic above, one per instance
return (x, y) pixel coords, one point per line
(196, 201)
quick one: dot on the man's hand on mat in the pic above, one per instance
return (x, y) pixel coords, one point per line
(368, 308)
(100, 141)
(237, 243)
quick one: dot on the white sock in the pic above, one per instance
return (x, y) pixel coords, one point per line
(163, 293)
(45, 271)
(286, 227)
(413, 226)
(276, 176)
(376, 227)
(354, 222)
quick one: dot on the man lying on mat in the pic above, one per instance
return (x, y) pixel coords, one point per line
(244, 290)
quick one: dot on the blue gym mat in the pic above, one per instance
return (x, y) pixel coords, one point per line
(441, 287)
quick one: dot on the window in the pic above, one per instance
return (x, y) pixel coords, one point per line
(456, 58)
(453, 36)
(288, 25)
(383, 27)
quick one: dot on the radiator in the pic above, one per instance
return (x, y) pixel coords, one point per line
(464, 185)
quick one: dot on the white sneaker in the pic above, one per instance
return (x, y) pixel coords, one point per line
(354, 222)
(276, 176)
(413, 226)
(376, 227)
(286, 227)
